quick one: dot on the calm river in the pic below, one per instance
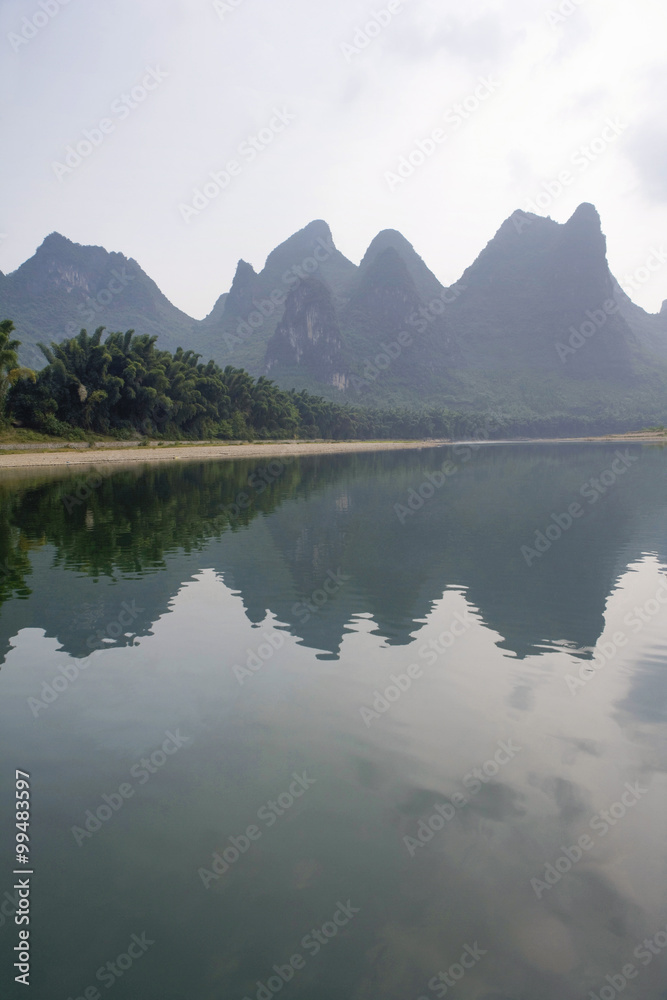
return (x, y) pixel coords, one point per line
(387, 726)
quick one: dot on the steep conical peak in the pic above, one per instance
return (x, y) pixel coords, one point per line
(55, 240)
(516, 245)
(301, 244)
(425, 281)
(317, 228)
(244, 272)
(63, 248)
(385, 240)
(586, 216)
(240, 294)
(583, 244)
(55, 245)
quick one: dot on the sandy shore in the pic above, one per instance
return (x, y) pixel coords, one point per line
(197, 453)
(194, 453)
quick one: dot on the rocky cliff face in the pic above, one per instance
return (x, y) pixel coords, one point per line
(239, 329)
(308, 335)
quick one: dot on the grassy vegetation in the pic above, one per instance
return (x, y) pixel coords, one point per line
(25, 435)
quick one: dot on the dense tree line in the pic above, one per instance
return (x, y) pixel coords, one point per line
(10, 371)
(124, 385)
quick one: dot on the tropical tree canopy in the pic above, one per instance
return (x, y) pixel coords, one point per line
(10, 371)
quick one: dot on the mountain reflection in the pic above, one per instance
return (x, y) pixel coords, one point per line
(317, 541)
(445, 817)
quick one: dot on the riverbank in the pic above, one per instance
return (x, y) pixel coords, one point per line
(133, 453)
(197, 452)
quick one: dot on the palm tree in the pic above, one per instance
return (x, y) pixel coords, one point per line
(10, 370)
(83, 386)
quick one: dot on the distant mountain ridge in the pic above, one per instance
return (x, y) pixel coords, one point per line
(65, 287)
(537, 324)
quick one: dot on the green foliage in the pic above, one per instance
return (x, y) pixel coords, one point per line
(124, 385)
(10, 372)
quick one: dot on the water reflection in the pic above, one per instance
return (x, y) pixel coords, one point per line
(441, 692)
(334, 517)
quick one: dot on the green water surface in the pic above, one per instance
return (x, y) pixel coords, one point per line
(339, 728)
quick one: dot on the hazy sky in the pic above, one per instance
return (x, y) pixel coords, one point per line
(313, 112)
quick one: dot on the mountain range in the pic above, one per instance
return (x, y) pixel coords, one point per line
(537, 325)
